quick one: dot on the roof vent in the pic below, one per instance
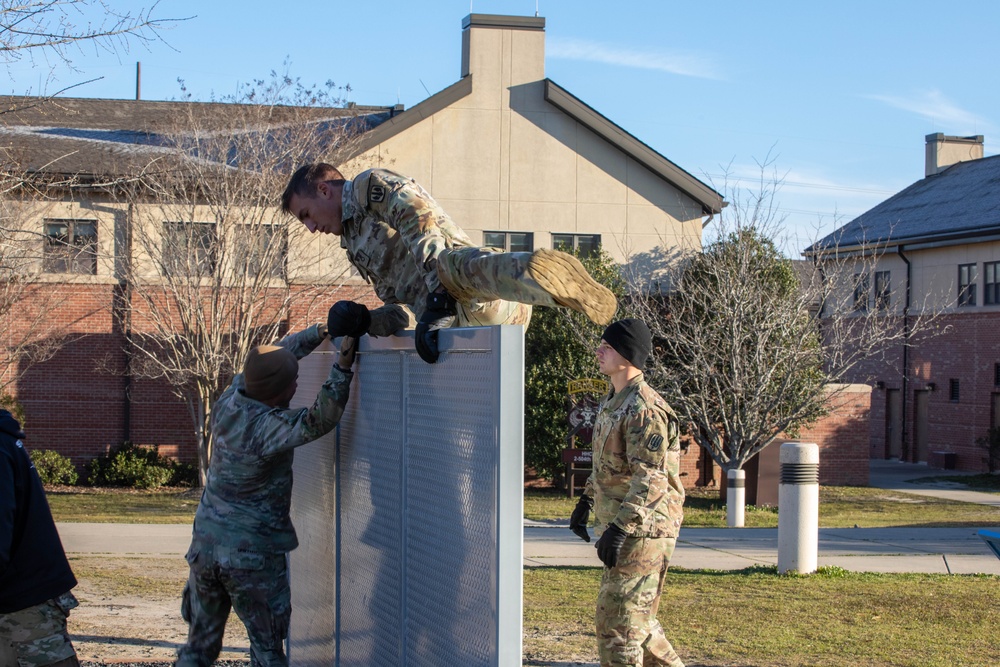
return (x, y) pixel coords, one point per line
(943, 151)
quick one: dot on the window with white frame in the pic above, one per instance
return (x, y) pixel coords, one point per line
(585, 245)
(510, 241)
(967, 277)
(70, 246)
(264, 249)
(189, 248)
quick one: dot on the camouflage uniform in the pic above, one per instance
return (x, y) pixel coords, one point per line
(242, 529)
(38, 633)
(403, 243)
(636, 484)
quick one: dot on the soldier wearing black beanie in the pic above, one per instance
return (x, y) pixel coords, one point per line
(631, 339)
(637, 498)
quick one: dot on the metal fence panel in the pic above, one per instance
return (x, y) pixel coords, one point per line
(410, 516)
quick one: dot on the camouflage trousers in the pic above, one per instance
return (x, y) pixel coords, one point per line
(628, 633)
(38, 634)
(254, 585)
(490, 287)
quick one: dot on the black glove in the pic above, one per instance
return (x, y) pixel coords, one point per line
(347, 318)
(580, 517)
(610, 545)
(439, 314)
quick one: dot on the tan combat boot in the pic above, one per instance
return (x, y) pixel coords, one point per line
(568, 283)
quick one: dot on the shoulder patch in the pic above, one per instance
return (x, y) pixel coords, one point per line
(376, 193)
(655, 442)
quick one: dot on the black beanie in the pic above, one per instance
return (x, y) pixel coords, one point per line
(631, 339)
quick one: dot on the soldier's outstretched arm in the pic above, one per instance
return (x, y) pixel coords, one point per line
(287, 429)
(303, 342)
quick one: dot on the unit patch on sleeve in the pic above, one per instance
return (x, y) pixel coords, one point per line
(376, 193)
(655, 442)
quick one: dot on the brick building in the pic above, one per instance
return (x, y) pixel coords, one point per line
(933, 249)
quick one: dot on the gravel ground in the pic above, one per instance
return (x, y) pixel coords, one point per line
(219, 663)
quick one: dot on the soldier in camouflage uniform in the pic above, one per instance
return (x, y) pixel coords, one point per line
(403, 243)
(636, 494)
(242, 530)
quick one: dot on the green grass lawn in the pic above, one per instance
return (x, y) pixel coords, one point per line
(757, 617)
(748, 617)
(840, 507)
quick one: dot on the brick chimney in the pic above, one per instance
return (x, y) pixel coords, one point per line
(943, 151)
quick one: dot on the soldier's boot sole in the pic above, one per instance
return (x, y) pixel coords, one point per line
(569, 285)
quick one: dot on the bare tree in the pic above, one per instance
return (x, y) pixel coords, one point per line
(214, 267)
(754, 346)
(31, 28)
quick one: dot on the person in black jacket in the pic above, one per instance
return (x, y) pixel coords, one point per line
(35, 577)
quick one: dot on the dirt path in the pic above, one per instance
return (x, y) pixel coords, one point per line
(130, 612)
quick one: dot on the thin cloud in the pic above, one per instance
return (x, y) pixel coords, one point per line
(683, 64)
(934, 106)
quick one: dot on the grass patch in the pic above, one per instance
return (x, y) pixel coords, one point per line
(757, 617)
(148, 578)
(987, 482)
(748, 617)
(72, 504)
(840, 507)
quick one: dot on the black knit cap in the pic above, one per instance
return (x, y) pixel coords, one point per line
(631, 339)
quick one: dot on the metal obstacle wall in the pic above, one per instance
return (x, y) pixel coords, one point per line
(410, 514)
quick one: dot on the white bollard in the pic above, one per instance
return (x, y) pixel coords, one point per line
(736, 495)
(798, 508)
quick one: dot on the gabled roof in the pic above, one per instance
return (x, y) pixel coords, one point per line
(710, 201)
(958, 204)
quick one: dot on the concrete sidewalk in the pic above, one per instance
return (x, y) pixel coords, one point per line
(940, 550)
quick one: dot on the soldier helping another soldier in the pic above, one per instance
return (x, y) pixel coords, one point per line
(242, 528)
(402, 242)
(637, 497)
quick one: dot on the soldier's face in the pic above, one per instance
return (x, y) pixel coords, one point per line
(322, 212)
(608, 360)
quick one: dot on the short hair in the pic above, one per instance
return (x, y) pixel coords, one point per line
(304, 181)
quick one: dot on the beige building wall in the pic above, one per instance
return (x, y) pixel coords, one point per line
(502, 158)
(934, 273)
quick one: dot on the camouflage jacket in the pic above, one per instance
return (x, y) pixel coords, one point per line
(249, 488)
(636, 479)
(393, 234)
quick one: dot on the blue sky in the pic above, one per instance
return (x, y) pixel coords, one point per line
(840, 95)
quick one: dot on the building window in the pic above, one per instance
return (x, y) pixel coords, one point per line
(882, 290)
(264, 248)
(991, 292)
(510, 241)
(70, 247)
(996, 374)
(967, 284)
(861, 292)
(189, 248)
(953, 390)
(585, 245)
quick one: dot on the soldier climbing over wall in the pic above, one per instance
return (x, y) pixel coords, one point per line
(414, 255)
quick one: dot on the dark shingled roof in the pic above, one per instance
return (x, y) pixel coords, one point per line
(960, 202)
(96, 136)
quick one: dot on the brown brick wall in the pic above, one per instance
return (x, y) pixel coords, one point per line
(967, 351)
(80, 403)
